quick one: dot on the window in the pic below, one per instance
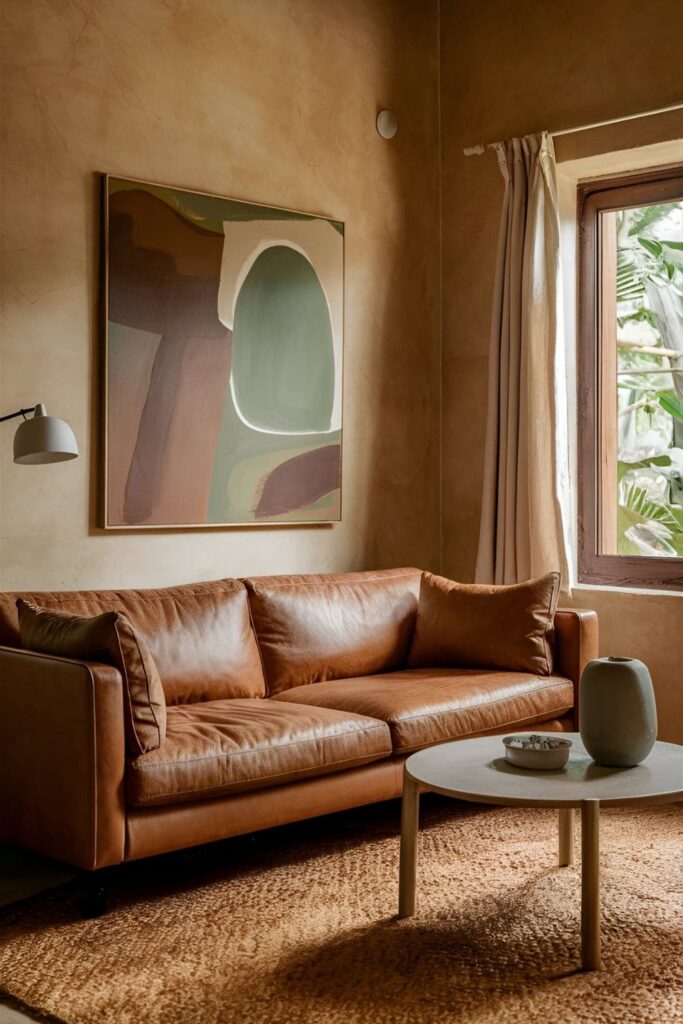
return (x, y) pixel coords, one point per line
(630, 400)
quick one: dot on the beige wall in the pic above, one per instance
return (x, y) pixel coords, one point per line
(510, 67)
(266, 100)
(274, 101)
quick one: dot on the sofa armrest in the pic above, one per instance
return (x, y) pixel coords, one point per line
(575, 644)
(62, 757)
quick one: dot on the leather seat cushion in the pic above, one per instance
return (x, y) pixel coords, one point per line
(426, 706)
(332, 626)
(229, 746)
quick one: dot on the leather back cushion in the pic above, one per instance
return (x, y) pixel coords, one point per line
(107, 638)
(317, 627)
(468, 625)
(199, 635)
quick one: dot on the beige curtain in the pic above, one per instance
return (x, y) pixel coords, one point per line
(524, 524)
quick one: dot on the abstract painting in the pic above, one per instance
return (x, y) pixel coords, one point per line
(223, 360)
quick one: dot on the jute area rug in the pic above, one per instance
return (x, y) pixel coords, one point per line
(296, 925)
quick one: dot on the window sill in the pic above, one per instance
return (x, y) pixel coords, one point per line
(616, 589)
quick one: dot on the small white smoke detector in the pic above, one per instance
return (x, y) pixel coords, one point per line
(387, 125)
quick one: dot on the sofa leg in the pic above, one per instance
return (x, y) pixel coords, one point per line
(93, 900)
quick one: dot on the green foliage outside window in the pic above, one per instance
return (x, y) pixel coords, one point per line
(649, 293)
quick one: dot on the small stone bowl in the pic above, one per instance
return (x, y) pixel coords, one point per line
(541, 753)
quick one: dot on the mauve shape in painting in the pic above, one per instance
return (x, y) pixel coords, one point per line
(164, 277)
(300, 481)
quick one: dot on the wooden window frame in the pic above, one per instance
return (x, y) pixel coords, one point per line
(595, 403)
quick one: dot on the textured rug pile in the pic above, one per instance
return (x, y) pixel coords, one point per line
(296, 925)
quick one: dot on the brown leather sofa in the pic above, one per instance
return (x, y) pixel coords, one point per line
(287, 697)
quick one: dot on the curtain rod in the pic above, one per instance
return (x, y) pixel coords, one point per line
(478, 150)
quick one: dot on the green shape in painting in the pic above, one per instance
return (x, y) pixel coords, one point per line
(282, 349)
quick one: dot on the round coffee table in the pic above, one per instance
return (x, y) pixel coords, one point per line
(477, 770)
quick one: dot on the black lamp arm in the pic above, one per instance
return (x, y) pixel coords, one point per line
(19, 412)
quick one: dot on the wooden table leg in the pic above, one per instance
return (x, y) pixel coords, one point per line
(410, 811)
(566, 849)
(590, 885)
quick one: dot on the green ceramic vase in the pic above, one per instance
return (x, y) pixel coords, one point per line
(617, 712)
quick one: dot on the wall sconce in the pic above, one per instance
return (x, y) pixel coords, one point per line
(387, 125)
(42, 438)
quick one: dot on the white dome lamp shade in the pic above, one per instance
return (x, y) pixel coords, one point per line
(42, 438)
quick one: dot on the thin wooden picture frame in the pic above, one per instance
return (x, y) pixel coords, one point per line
(298, 216)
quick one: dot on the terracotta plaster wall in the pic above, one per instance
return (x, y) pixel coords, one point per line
(510, 67)
(265, 100)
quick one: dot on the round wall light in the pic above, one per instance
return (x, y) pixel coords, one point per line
(387, 125)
